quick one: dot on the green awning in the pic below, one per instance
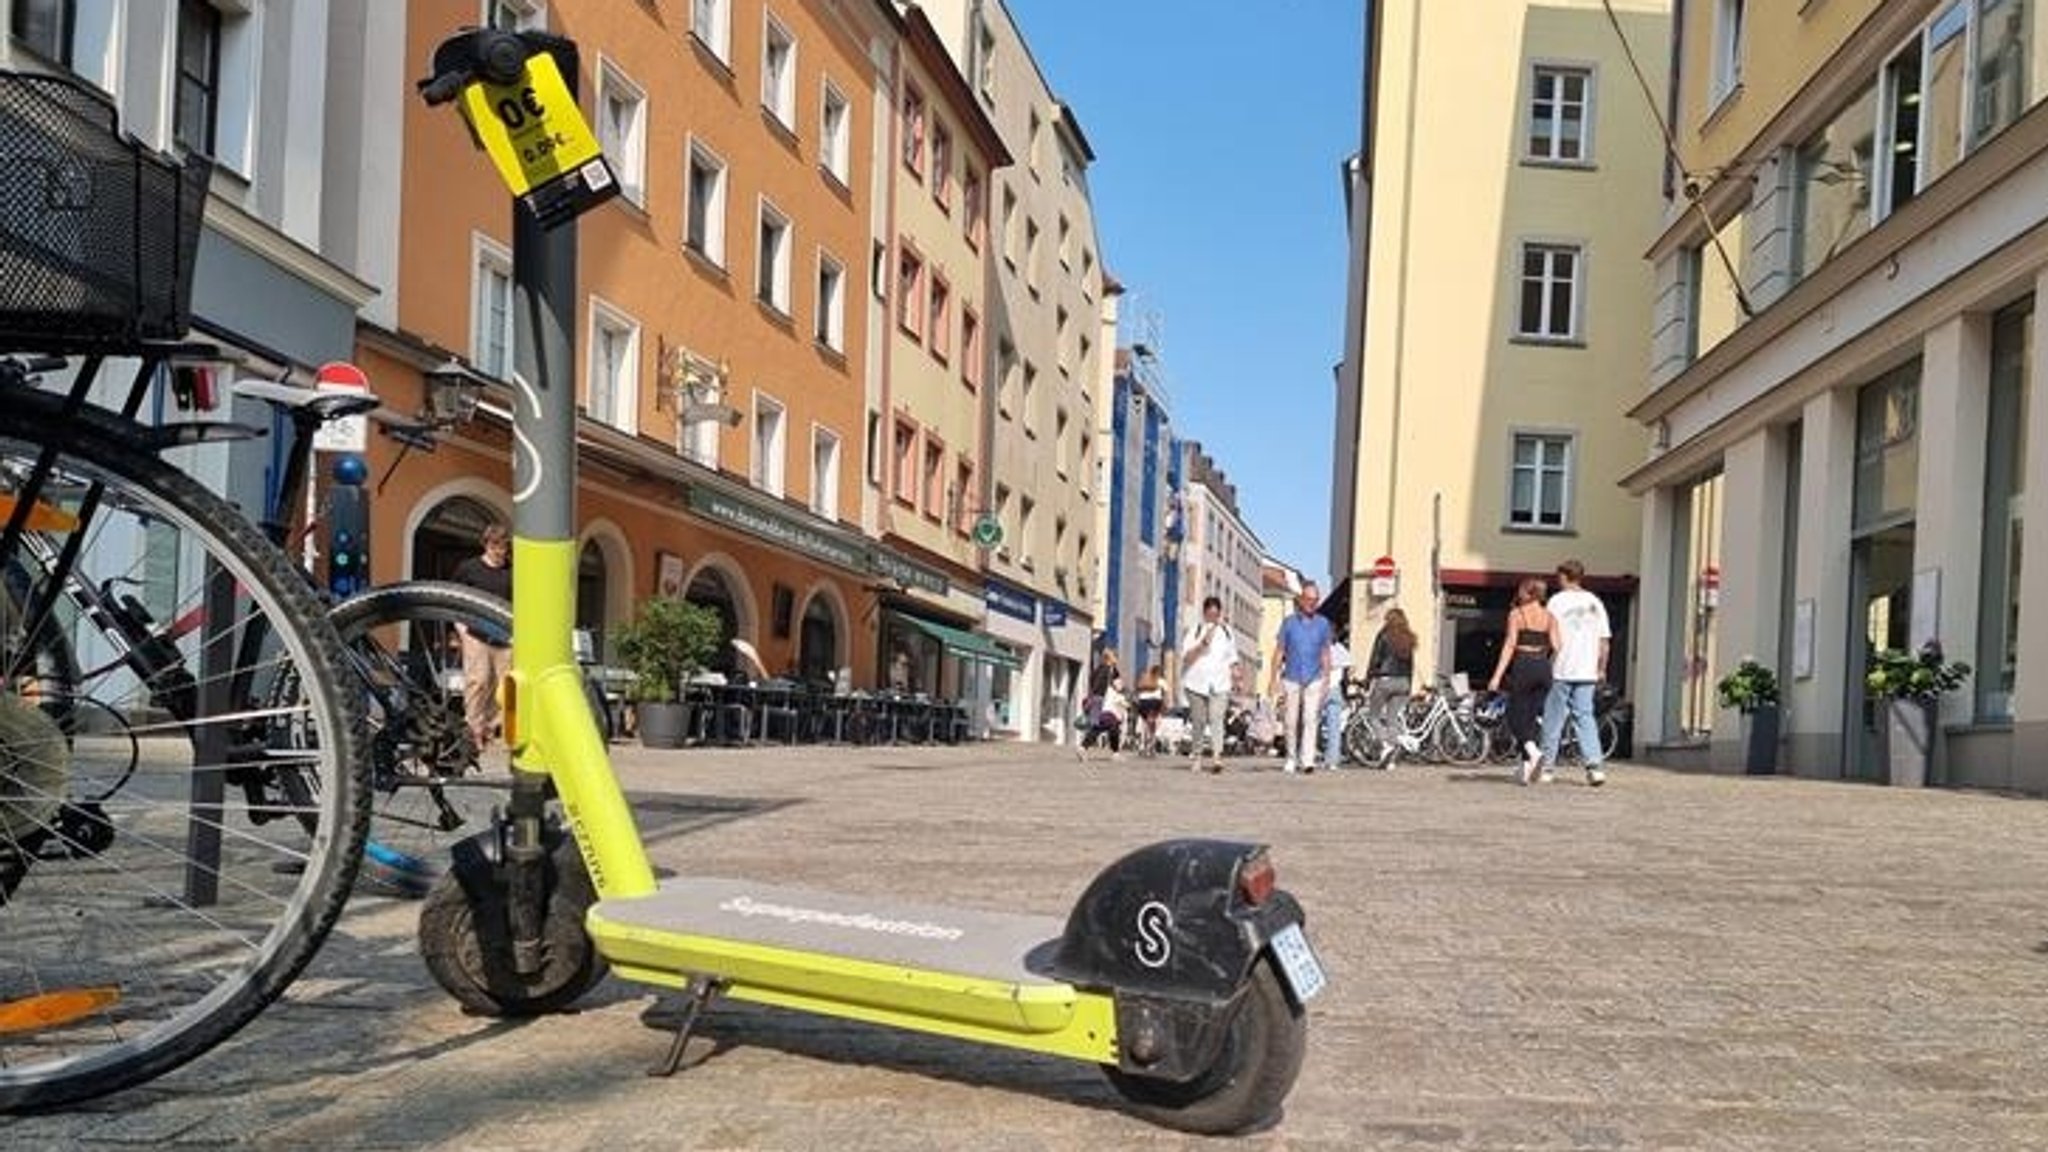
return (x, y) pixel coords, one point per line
(966, 645)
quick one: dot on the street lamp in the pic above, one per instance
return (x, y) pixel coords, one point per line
(453, 390)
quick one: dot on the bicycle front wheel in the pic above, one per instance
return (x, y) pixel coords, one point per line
(142, 923)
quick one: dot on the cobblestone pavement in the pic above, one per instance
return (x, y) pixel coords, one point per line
(1671, 962)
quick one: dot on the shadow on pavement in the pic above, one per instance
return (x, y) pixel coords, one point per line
(730, 1026)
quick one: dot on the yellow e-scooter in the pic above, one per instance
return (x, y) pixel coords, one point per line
(1182, 971)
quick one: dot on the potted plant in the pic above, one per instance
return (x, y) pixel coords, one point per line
(1753, 689)
(667, 642)
(1911, 685)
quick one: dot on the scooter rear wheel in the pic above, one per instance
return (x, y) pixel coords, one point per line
(1243, 1089)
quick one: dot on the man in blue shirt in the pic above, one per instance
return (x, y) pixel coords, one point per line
(1301, 666)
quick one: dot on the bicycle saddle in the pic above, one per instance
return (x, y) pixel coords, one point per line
(292, 398)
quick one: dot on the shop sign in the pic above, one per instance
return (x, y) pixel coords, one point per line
(1052, 613)
(885, 563)
(776, 529)
(1010, 602)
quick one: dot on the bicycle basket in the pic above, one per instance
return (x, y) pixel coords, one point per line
(97, 230)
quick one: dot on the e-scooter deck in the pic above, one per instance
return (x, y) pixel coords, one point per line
(957, 972)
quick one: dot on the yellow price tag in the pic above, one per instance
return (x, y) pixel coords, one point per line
(532, 130)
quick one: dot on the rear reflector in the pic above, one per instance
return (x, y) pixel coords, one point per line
(1255, 879)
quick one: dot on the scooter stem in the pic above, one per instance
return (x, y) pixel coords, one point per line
(549, 723)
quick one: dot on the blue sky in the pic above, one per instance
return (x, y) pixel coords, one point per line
(1219, 129)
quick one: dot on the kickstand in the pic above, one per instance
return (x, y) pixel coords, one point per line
(702, 989)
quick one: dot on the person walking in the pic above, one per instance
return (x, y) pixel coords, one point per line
(1208, 660)
(1579, 638)
(1333, 705)
(1390, 680)
(1301, 666)
(1524, 666)
(1107, 727)
(486, 654)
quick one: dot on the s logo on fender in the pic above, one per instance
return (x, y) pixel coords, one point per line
(1154, 946)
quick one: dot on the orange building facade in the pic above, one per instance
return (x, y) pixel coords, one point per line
(723, 329)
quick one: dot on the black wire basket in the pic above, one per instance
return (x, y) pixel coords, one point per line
(97, 230)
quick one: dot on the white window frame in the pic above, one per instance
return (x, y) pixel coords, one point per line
(1564, 473)
(825, 480)
(716, 39)
(1558, 71)
(1731, 28)
(835, 147)
(831, 327)
(527, 15)
(237, 70)
(780, 101)
(624, 402)
(771, 272)
(1575, 333)
(628, 155)
(770, 474)
(1885, 158)
(714, 216)
(486, 254)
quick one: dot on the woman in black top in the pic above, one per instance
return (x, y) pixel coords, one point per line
(1390, 668)
(1524, 666)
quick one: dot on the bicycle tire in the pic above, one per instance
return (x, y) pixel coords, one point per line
(197, 992)
(414, 752)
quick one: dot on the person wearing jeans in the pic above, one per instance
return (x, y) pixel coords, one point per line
(1333, 705)
(1301, 666)
(1579, 641)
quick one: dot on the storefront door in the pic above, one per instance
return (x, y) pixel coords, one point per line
(1881, 567)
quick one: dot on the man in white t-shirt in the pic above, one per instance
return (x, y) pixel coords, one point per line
(1208, 659)
(1579, 641)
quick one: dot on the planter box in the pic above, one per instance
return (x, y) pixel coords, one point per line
(1910, 732)
(663, 725)
(1760, 750)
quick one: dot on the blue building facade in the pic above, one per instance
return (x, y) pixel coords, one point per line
(1138, 589)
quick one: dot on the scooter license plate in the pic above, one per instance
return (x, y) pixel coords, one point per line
(1298, 962)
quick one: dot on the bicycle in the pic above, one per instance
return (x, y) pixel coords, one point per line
(139, 932)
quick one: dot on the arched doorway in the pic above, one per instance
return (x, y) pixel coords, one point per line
(448, 535)
(590, 596)
(711, 588)
(818, 655)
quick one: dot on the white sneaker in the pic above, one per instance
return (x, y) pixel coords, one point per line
(1292, 767)
(1546, 777)
(1595, 777)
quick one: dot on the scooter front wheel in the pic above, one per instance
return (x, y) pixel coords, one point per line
(1254, 1069)
(466, 943)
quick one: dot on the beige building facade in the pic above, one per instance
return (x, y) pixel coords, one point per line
(1500, 205)
(1044, 302)
(1847, 335)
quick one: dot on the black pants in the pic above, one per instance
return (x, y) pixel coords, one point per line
(1528, 682)
(1110, 733)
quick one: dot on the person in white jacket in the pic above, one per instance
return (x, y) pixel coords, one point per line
(1208, 660)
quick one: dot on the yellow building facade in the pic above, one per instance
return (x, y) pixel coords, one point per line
(1845, 339)
(1500, 207)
